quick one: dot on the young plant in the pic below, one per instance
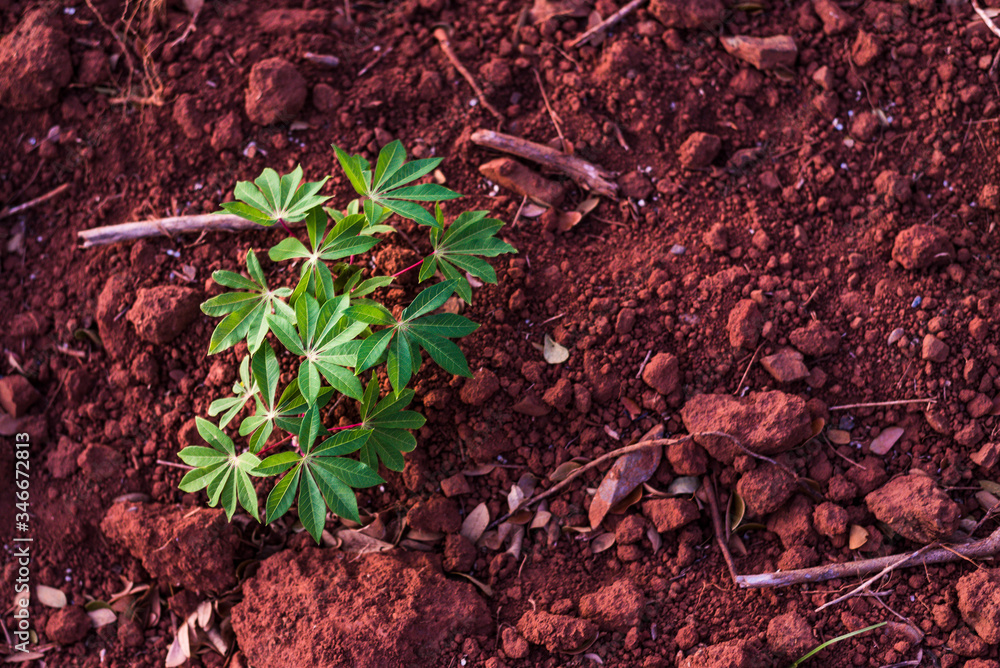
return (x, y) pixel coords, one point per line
(342, 337)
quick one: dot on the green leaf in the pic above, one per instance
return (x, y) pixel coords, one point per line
(448, 355)
(411, 211)
(197, 479)
(277, 463)
(390, 159)
(336, 494)
(399, 365)
(370, 312)
(352, 168)
(432, 298)
(410, 172)
(448, 325)
(219, 471)
(246, 494)
(231, 279)
(344, 442)
(425, 192)
(372, 349)
(288, 248)
(282, 495)
(388, 422)
(471, 235)
(312, 506)
(271, 198)
(266, 371)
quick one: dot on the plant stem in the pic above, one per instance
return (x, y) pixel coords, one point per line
(266, 450)
(287, 228)
(403, 271)
(348, 426)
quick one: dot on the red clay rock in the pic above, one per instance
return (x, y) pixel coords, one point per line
(915, 508)
(61, 461)
(322, 608)
(514, 646)
(670, 514)
(161, 313)
(699, 150)
(989, 197)
(830, 520)
(99, 462)
(687, 458)
(979, 602)
(987, 457)
(456, 485)
(745, 324)
(292, 21)
(227, 133)
(687, 14)
(277, 92)
(17, 395)
(785, 366)
(793, 523)
(437, 514)
(35, 62)
(68, 625)
(921, 246)
(934, 349)
(459, 553)
(815, 339)
(731, 654)
(764, 53)
(835, 20)
(765, 489)
(190, 548)
(632, 529)
(187, 116)
(616, 607)
(558, 633)
(767, 423)
(663, 373)
(866, 49)
(477, 390)
(560, 395)
(790, 635)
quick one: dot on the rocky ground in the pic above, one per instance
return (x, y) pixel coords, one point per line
(795, 282)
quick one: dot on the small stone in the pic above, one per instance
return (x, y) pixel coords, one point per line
(979, 602)
(276, 92)
(893, 187)
(716, 238)
(616, 607)
(558, 633)
(864, 127)
(989, 197)
(456, 485)
(747, 82)
(630, 530)
(438, 514)
(663, 373)
(745, 324)
(227, 133)
(823, 77)
(687, 14)
(815, 339)
(915, 508)
(790, 635)
(560, 395)
(835, 20)
(17, 395)
(160, 314)
(922, 246)
(964, 642)
(291, 21)
(670, 514)
(987, 457)
(866, 49)
(934, 349)
(35, 61)
(99, 462)
(764, 53)
(687, 458)
(699, 150)
(830, 520)
(785, 366)
(68, 625)
(979, 406)
(459, 553)
(730, 654)
(187, 116)
(477, 390)
(514, 646)
(765, 489)
(531, 405)
(635, 185)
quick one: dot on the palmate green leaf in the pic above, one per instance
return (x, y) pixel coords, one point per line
(353, 169)
(459, 249)
(222, 473)
(388, 422)
(245, 312)
(390, 159)
(244, 390)
(272, 198)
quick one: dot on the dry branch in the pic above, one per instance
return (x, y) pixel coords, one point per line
(721, 533)
(165, 227)
(607, 23)
(979, 549)
(38, 200)
(442, 37)
(587, 174)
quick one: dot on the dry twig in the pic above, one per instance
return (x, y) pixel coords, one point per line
(979, 549)
(594, 178)
(165, 227)
(552, 114)
(608, 22)
(877, 404)
(442, 37)
(35, 202)
(870, 581)
(720, 532)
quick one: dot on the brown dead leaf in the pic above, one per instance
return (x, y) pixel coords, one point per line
(563, 470)
(355, 541)
(627, 473)
(629, 501)
(50, 597)
(858, 537)
(654, 538)
(567, 220)
(475, 523)
(485, 469)
(543, 10)
(542, 518)
(887, 438)
(102, 617)
(486, 589)
(602, 542)
(839, 436)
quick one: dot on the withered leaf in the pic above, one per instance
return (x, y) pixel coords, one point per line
(887, 438)
(355, 541)
(627, 473)
(858, 537)
(475, 523)
(50, 597)
(602, 542)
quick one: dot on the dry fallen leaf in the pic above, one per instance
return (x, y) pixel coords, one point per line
(50, 597)
(654, 538)
(735, 511)
(602, 542)
(563, 470)
(542, 518)
(176, 656)
(627, 473)
(102, 617)
(887, 438)
(839, 436)
(486, 589)
(553, 352)
(532, 210)
(684, 486)
(355, 541)
(475, 523)
(858, 537)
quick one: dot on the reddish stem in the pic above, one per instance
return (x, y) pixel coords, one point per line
(412, 266)
(287, 228)
(263, 452)
(349, 426)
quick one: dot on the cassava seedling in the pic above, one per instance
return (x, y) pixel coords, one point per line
(342, 337)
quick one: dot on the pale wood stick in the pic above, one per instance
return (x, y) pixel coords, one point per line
(587, 174)
(35, 202)
(608, 22)
(986, 18)
(167, 227)
(876, 404)
(442, 36)
(979, 549)
(870, 581)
